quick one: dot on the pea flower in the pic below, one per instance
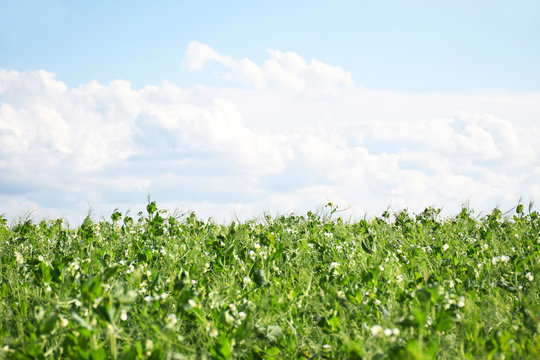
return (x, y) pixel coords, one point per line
(376, 330)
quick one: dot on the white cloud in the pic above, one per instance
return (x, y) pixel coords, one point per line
(299, 135)
(243, 70)
(288, 71)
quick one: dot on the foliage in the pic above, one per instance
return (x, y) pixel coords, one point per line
(400, 286)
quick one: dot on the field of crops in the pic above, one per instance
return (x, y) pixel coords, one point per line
(399, 286)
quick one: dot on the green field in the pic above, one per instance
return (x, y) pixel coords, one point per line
(398, 286)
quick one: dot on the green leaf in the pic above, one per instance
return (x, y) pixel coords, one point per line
(419, 318)
(272, 353)
(334, 324)
(44, 273)
(419, 351)
(354, 350)
(151, 208)
(368, 244)
(222, 348)
(259, 277)
(423, 295)
(83, 354)
(105, 311)
(244, 328)
(110, 272)
(92, 287)
(268, 239)
(48, 325)
(56, 272)
(444, 320)
(98, 354)
(116, 216)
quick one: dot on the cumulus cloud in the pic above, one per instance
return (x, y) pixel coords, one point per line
(278, 138)
(285, 70)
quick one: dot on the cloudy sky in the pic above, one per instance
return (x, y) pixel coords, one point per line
(237, 108)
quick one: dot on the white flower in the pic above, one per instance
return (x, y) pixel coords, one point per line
(377, 302)
(461, 302)
(19, 257)
(399, 278)
(376, 330)
(395, 331)
(445, 247)
(63, 321)
(387, 332)
(123, 316)
(529, 276)
(504, 258)
(381, 267)
(327, 347)
(171, 320)
(334, 265)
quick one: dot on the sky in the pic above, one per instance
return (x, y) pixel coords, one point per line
(236, 109)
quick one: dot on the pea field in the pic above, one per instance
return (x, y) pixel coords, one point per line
(158, 285)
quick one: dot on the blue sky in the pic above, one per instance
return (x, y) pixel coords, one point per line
(393, 45)
(235, 108)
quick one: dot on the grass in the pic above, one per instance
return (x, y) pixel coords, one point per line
(399, 286)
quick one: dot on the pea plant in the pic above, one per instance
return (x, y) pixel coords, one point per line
(314, 286)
